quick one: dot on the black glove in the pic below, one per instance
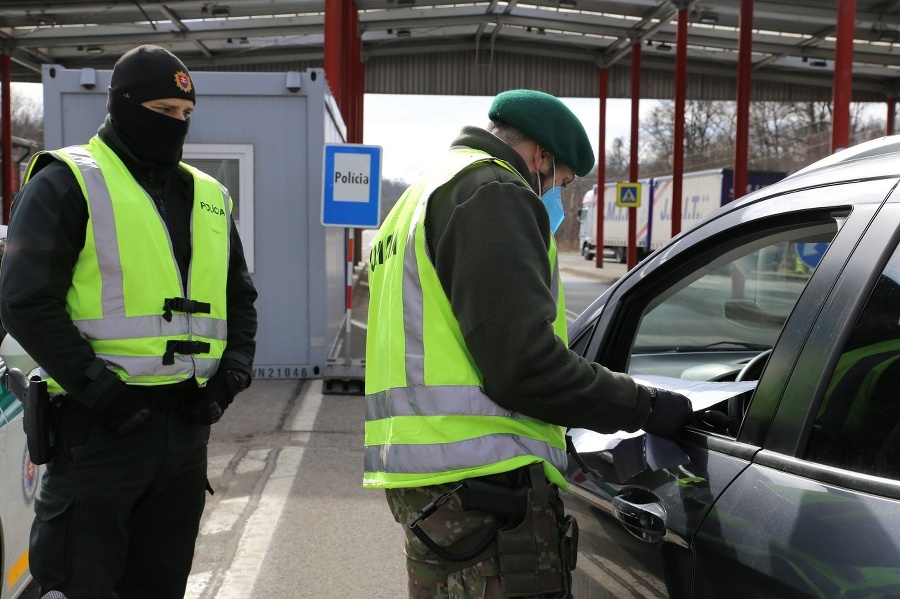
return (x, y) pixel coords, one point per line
(213, 399)
(670, 412)
(124, 409)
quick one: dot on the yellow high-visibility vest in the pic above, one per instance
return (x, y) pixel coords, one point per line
(127, 298)
(428, 419)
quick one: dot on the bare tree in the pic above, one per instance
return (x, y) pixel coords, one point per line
(783, 136)
(27, 116)
(618, 161)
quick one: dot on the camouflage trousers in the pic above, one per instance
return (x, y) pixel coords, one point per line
(458, 531)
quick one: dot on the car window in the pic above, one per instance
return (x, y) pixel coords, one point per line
(737, 301)
(720, 317)
(857, 426)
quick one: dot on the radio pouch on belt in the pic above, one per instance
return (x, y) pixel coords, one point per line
(38, 416)
(538, 556)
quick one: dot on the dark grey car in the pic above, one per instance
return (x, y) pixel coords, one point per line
(790, 488)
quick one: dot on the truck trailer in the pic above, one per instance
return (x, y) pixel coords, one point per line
(702, 193)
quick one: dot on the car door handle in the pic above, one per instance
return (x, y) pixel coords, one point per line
(647, 519)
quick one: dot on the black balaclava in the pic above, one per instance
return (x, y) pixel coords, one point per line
(149, 73)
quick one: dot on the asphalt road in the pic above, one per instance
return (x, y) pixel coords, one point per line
(289, 517)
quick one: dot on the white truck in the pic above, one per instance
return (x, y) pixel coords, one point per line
(702, 193)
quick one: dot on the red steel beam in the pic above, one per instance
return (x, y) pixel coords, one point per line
(335, 30)
(633, 163)
(742, 132)
(843, 74)
(601, 169)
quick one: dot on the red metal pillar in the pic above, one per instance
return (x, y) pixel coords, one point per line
(335, 43)
(843, 74)
(633, 163)
(742, 126)
(354, 111)
(601, 169)
(359, 81)
(351, 83)
(347, 72)
(678, 141)
(6, 157)
(361, 88)
(891, 113)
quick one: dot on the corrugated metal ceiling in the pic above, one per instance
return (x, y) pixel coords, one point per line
(460, 48)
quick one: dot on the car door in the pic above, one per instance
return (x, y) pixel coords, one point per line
(18, 483)
(817, 514)
(731, 299)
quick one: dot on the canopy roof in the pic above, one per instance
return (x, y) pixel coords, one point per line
(444, 47)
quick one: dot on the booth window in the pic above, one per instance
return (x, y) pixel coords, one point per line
(232, 166)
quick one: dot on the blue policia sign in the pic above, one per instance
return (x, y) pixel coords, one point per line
(351, 186)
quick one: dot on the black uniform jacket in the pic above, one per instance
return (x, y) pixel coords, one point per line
(46, 234)
(488, 235)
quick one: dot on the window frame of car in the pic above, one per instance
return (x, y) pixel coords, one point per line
(855, 203)
(792, 426)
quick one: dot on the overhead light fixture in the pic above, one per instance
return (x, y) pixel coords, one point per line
(292, 81)
(215, 10)
(818, 62)
(94, 50)
(882, 33)
(567, 2)
(663, 47)
(708, 17)
(403, 33)
(88, 78)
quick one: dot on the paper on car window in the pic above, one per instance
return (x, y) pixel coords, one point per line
(702, 394)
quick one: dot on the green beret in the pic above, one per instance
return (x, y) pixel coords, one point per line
(549, 122)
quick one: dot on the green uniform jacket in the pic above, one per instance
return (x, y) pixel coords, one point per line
(488, 235)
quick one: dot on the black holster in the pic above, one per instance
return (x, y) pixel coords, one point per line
(537, 557)
(39, 414)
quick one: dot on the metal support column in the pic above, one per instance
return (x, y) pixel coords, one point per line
(601, 169)
(335, 44)
(6, 157)
(891, 114)
(742, 131)
(633, 163)
(681, 36)
(843, 74)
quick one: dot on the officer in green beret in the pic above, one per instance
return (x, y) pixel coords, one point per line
(470, 384)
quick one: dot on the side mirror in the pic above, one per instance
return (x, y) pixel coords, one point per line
(749, 314)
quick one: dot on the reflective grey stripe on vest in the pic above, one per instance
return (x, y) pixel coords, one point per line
(434, 401)
(104, 228)
(447, 457)
(152, 326)
(413, 320)
(153, 366)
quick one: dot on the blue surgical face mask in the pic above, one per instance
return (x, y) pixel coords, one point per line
(552, 199)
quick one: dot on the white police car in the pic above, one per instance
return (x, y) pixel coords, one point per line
(19, 479)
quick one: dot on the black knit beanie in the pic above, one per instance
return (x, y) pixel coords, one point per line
(149, 73)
